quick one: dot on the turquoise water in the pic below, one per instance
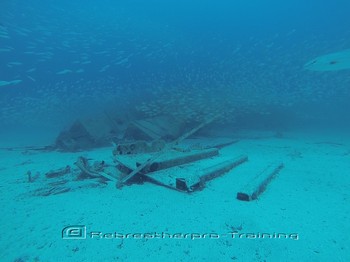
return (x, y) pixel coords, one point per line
(63, 60)
(273, 75)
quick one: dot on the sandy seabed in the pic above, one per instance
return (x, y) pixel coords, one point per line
(302, 216)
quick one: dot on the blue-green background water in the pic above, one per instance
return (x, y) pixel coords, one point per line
(78, 57)
(240, 59)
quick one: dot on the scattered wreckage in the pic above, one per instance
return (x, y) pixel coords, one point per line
(168, 164)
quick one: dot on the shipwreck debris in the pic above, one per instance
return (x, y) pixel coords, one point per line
(98, 170)
(101, 130)
(181, 159)
(86, 134)
(157, 155)
(32, 178)
(138, 147)
(259, 183)
(192, 181)
(58, 173)
(155, 128)
(51, 191)
(144, 154)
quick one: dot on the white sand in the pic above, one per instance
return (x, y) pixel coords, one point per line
(309, 197)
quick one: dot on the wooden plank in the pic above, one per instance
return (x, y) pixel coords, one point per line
(108, 173)
(189, 181)
(181, 159)
(222, 168)
(221, 145)
(109, 177)
(173, 158)
(82, 164)
(259, 183)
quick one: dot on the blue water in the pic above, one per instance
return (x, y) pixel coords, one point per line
(127, 49)
(240, 59)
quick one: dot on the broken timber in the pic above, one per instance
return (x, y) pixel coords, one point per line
(157, 155)
(106, 172)
(191, 181)
(183, 158)
(221, 168)
(259, 183)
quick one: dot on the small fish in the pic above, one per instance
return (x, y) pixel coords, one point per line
(31, 70)
(103, 69)
(63, 72)
(31, 78)
(5, 49)
(123, 61)
(11, 64)
(13, 82)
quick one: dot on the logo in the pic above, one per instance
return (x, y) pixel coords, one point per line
(74, 232)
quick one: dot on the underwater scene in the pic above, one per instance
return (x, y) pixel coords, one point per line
(163, 130)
